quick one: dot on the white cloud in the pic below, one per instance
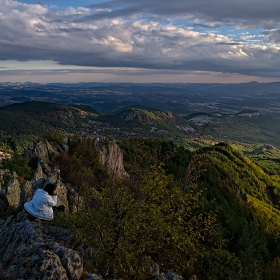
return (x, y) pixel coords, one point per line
(109, 37)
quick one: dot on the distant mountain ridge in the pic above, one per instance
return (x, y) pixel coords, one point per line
(22, 123)
(178, 98)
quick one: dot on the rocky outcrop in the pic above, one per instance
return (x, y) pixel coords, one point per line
(4, 155)
(169, 275)
(136, 115)
(30, 250)
(26, 194)
(44, 151)
(12, 191)
(111, 157)
(152, 270)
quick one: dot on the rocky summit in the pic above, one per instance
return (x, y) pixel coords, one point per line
(30, 250)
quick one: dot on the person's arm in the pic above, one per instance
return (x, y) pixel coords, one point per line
(52, 200)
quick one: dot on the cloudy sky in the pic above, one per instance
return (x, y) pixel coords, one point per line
(140, 40)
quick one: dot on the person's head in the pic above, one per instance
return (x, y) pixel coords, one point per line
(49, 188)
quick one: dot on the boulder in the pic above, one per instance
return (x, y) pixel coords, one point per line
(44, 151)
(94, 277)
(152, 270)
(70, 260)
(39, 175)
(26, 194)
(88, 254)
(12, 191)
(169, 275)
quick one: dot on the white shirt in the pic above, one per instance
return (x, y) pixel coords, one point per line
(41, 205)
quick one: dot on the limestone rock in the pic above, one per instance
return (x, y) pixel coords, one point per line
(152, 270)
(26, 194)
(169, 275)
(70, 260)
(94, 277)
(39, 174)
(12, 191)
(111, 157)
(62, 198)
(43, 150)
(87, 253)
(30, 250)
(4, 155)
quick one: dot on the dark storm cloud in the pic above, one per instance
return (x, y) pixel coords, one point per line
(273, 36)
(214, 10)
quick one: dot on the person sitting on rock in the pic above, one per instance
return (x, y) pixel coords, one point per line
(42, 203)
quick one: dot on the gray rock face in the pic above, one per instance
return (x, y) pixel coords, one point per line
(4, 155)
(25, 194)
(70, 260)
(152, 270)
(30, 250)
(136, 115)
(169, 275)
(111, 157)
(12, 191)
(43, 150)
(94, 277)
(38, 176)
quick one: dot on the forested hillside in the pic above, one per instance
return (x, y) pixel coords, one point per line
(210, 212)
(23, 123)
(243, 198)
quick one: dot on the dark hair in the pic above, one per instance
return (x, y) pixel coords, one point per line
(49, 188)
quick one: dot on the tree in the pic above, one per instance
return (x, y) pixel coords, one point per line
(137, 219)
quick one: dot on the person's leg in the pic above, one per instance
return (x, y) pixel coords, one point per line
(30, 217)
